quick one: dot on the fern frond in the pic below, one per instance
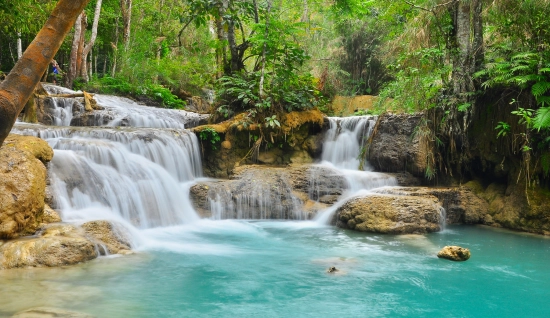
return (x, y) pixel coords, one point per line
(542, 118)
(540, 88)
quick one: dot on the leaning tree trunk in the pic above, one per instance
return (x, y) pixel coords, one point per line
(88, 47)
(18, 86)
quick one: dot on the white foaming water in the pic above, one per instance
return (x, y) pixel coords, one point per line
(342, 153)
(344, 140)
(118, 111)
(138, 175)
(62, 113)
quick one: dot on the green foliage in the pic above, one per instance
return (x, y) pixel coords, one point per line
(272, 122)
(526, 116)
(503, 129)
(282, 91)
(210, 135)
(110, 85)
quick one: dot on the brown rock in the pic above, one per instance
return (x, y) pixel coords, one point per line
(22, 184)
(50, 215)
(109, 234)
(454, 253)
(397, 146)
(56, 245)
(392, 214)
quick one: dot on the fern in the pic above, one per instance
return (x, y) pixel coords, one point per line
(540, 88)
(542, 118)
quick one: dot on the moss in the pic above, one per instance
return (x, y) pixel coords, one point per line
(475, 186)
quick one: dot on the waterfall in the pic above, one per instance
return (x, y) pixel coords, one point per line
(342, 151)
(136, 174)
(117, 111)
(345, 139)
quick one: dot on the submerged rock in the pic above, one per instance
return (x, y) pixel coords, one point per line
(454, 253)
(392, 214)
(22, 184)
(49, 312)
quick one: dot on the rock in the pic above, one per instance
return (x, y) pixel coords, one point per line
(391, 214)
(197, 104)
(55, 245)
(23, 184)
(454, 253)
(110, 234)
(49, 312)
(332, 269)
(50, 215)
(462, 206)
(397, 146)
(295, 192)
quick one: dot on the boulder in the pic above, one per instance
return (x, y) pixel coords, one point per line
(454, 253)
(111, 235)
(396, 145)
(23, 184)
(55, 245)
(295, 192)
(50, 215)
(391, 214)
(462, 205)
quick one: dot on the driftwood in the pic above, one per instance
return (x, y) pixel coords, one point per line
(90, 103)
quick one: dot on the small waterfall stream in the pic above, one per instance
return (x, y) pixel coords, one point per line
(342, 151)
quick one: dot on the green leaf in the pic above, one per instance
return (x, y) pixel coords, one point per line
(542, 118)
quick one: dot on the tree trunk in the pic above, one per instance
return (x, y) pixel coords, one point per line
(462, 69)
(18, 86)
(88, 47)
(80, 63)
(221, 56)
(126, 8)
(19, 46)
(71, 74)
(479, 52)
(264, 49)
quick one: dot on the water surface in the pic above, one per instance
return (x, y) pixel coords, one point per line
(278, 269)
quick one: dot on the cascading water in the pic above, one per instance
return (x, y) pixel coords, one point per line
(117, 111)
(342, 148)
(135, 174)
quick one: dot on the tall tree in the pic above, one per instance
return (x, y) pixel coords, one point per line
(126, 8)
(18, 86)
(90, 44)
(73, 64)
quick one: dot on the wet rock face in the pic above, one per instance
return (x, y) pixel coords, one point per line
(391, 214)
(395, 146)
(22, 184)
(454, 253)
(261, 192)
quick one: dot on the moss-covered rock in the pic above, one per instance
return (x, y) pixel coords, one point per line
(391, 214)
(454, 253)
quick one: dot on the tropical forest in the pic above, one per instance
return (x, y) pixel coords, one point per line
(276, 158)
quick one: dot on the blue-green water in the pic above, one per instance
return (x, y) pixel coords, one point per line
(278, 269)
